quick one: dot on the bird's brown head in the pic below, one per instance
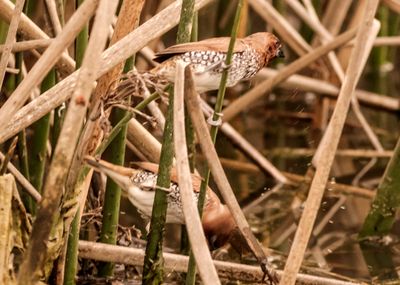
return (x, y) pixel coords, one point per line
(218, 224)
(220, 228)
(267, 44)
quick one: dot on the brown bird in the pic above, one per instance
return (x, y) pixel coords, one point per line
(138, 185)
(207, 59)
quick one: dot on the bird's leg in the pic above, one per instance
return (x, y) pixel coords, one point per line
(136, 112)
(215, 66)
(225, 66)
(147, 227)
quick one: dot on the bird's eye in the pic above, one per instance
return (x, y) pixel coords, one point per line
(213, 242)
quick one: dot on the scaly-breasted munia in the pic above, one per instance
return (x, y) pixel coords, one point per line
(138, 185)
(207, 59)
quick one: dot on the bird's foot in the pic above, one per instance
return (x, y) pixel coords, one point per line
(270, 275)
(215, 119)
(218, 66)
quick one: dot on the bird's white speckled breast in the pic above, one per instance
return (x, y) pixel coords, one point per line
(142, 196)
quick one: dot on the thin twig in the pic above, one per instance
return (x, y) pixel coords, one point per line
(28, 45)
(10, 40)
(52, 8)
(22, 180)
(306, 83)
(8, 156)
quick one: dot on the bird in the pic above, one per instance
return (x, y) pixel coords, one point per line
(207, 59)
(138, 184)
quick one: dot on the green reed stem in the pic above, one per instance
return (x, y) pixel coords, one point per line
(216, 117)
(153, 261)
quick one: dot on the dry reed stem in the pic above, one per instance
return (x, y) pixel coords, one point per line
(354, 21)
(387, 41)
(337, 188)
(356, 108)
(126, 22)
(22, 180)
(285, 30)
(7, 187)
(132, 43)
(178, 263)
(312, 20)
(53, 188)
(55, 21)
(335, 14)
(305, 83)
(203, 135)
(151, 148)
(354, 101)
(27, 45)
(46, 61)
(30, 30)
(128, 19)
(317, 187)
(141, 138)
(193, 224)
(247, 147)
(393, 5)
(244, 102)
(155, 111)
(10, 39)
(357, 153)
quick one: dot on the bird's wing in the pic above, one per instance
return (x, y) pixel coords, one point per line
(213, 44)
(196, 179)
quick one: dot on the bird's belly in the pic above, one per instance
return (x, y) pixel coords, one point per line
(143, 201)
(207, 81)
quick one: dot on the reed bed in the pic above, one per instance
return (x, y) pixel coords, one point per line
(305, 155)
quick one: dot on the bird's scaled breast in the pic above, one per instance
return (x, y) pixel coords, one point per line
(207, 67)
(141, 195)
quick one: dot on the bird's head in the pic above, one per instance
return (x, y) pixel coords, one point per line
(218, 224)
(267, 44)
(220, 228)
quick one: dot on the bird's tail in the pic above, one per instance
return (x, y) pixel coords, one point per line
(121, 175)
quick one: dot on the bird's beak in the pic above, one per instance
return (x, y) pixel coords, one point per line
(280, 53)
(120, 175)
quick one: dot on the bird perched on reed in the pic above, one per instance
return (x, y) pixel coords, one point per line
(138, 185)
(207, 59)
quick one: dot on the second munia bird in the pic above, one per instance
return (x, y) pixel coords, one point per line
(138, 185)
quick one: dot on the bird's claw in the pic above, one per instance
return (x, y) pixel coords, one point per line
(215, 66)
(225, 66)
(269, 274)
